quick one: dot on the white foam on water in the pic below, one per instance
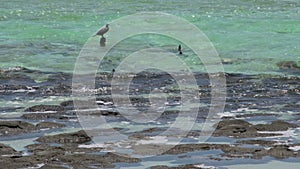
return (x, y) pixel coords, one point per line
(44, 112)
(295, 148)
(244, 110)
(98, 145)
(37, 166)
(154, 140)
(104, 103)
(288, 133)
(202, 166)
(226, 114)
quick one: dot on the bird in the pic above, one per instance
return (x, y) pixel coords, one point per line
(179, 50)
(102, 31)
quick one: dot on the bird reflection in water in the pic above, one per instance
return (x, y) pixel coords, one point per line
(102, 41)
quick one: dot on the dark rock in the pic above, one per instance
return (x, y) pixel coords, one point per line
(282, 151)
(15, 127)
(42, 108)
(40, 116)
(184, 148)
(65, 138)
(275, 126)
(243, 129)
(256, 115)
(234, 128)
(6, 150)
(258, 142)
(22, 162)
(68, 103)
(50, 125)
(105, 113)
(288, 65)
(241, 152)
(56, 151)
(100, 161)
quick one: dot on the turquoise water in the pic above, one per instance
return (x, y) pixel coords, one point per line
(49, 34)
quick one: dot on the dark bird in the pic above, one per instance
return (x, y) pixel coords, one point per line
(179, 50)
(102, 31)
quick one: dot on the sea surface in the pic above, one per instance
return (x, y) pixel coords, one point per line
(250, 36)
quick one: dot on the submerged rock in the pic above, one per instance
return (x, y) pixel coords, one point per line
(15, 127)
(50, 125)
(288, 65)
(243, 129)
(43, 108)
(275, 126)
(184, 148)
(45, 156)
(66, 138)
(41, 116)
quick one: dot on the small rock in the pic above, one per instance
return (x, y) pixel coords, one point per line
(65, 138)
(50, 125)
(42, 108)
(288, 65)
(275, 126)
(15, 127)
(6, 150)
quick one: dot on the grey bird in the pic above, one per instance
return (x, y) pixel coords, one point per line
(102, 31)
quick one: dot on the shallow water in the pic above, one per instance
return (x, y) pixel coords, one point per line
(255, 35)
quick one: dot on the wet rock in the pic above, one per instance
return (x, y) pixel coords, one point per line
(257, 142)
(256, 115)
(282, 151)
(45, 156)
(184, 148)
(234, 128)
(288, 65)
(45, 151)
(6, 150)
(20, 162)
(242, 152)
(291, 107)
(150, 149)
(43, 108)
(98, 161)
(49, 125)
(275, 126)
(66, 138)
(15, 127)
(58, 89)
(68, 103)
(55, 151)
(105, 113)
(243, 129)
(41, 116)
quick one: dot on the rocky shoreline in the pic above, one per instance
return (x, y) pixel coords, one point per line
(251, 122)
